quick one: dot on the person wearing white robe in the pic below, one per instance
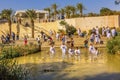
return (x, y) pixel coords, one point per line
(113, 31)
(58, 36)
(52, 51)
(97, 30)
(103, 31)
(79, 32)
(64, 50)
(108, 35)
(91, 51)
(71, 52)
(97, 39)
(77, 53)
(95, 54)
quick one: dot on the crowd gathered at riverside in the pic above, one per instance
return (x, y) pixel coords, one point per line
(68, 49)
(72, 51)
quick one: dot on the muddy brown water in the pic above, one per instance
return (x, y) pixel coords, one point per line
(106, 67)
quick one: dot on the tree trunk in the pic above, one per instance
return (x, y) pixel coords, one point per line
(32, 24)
(10, 28)
(80, 13)
(18, 28)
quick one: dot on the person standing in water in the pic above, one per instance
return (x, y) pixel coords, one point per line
(64, 50)
(52, 51)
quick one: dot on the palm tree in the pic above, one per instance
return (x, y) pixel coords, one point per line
(80, 7)
(54, 7)
(73, 11)
(7, 13)
(32, 15)
(61, 12)
(18, 23)
(68, 11)
(49, 11)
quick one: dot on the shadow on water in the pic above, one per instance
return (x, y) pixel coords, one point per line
(47, 71)
(103, 76)
(62, 71)
(41, 69)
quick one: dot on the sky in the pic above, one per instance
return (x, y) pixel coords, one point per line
(90, 5)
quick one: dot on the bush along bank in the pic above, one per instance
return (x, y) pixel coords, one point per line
(10, 70)
(10, 52)
(113, 45)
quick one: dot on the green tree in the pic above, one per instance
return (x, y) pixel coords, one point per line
(49, 11)
(32, 15)
(113, 45)
(18, 23)
(7, 13)
(54, 7)
(68, 11)
(61, 11)
(92, 14)
(73, 11)
(69, 28)
(105, 11)
(80, 7)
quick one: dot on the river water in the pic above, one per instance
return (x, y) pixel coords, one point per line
(105, 67)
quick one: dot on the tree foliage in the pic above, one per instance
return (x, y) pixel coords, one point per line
(54, 7)
(32, 15)
(49, 10)
(113, 45)
(10, 70)
(70, 29)
(80, 7)
(105, 11)
(7, 13)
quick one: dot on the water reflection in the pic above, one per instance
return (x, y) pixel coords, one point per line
(42, 67)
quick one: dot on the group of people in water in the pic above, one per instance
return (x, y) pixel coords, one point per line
(74, 52)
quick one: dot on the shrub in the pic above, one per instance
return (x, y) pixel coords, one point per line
(12, 52)
(76, 33)
(62, 23)
(61, 31)
(70, 29)
(90, 32)
(113, 45)
(84, 32)
(118, 29)
(10, 70)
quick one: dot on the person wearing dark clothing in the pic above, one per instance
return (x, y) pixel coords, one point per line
(13, 36)
(8, 38)
(86, 43)
(17, 36)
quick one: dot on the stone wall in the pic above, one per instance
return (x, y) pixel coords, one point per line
(87, 23)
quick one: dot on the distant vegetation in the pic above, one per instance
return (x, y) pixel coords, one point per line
(71, 11)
